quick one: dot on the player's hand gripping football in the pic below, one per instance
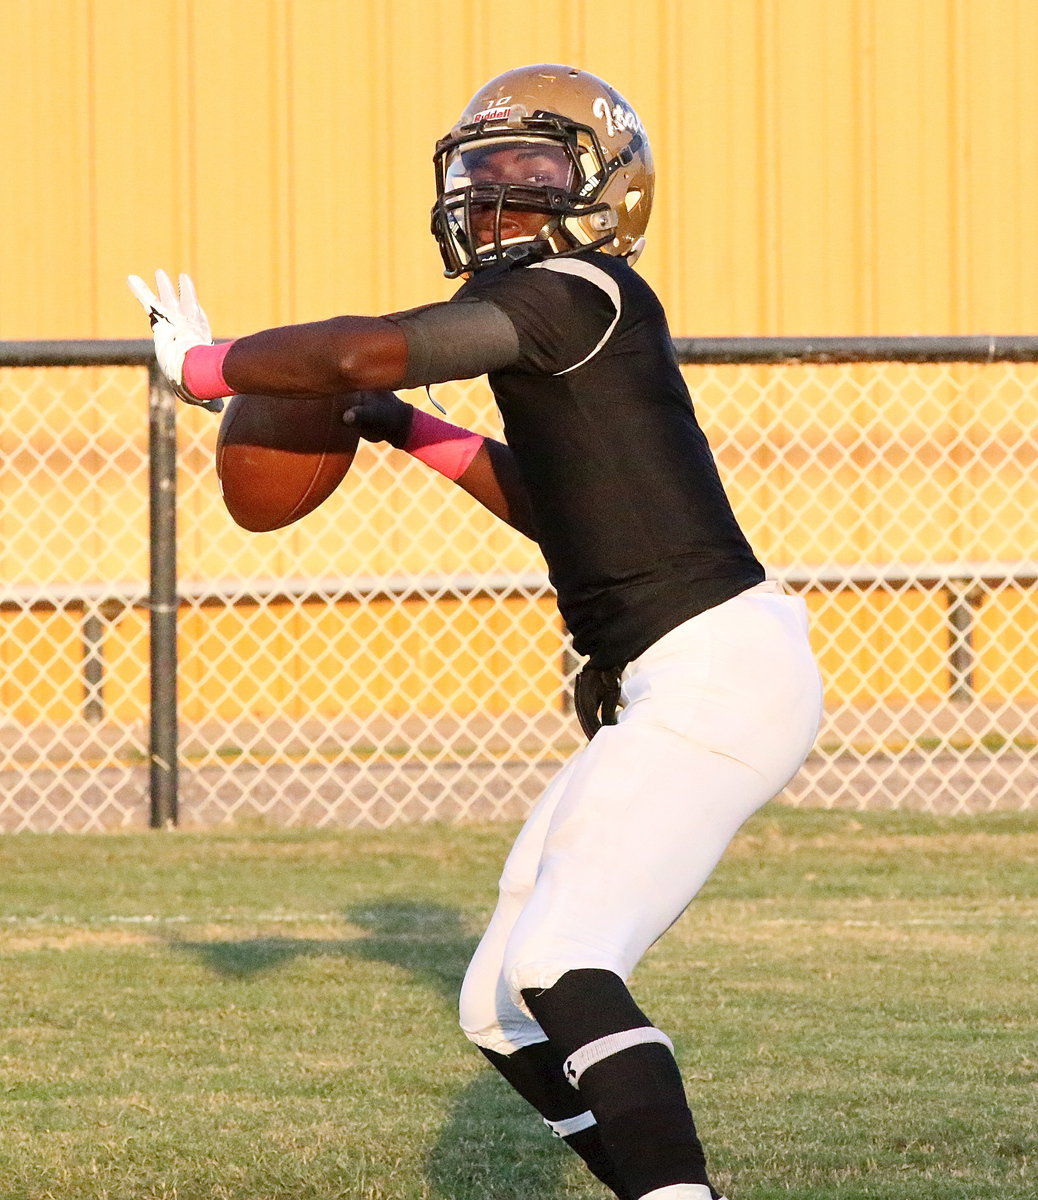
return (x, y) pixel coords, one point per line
(379, 417)
(178, 324)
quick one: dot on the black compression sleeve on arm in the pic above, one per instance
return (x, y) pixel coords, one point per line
(456, 340)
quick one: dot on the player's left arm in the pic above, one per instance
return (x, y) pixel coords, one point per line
(481, 466)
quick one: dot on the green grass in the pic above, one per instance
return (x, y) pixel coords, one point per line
(262, 1016)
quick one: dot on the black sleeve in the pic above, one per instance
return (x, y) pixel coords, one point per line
(459, 339)
(561, 318)
(544, 321)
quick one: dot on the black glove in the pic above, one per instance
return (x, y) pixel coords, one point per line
(379, 417)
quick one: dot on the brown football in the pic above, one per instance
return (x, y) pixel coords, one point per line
(278, 458)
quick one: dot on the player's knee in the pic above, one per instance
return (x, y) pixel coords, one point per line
(489, 1019)
(477, 1017)
(502, 1033)
(477, 1009)
(486, 1036)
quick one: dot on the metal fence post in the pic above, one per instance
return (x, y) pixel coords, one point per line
(162, 490)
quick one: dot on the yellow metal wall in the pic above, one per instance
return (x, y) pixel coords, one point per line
(825, 166)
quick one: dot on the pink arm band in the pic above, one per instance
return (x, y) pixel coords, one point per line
(444, 447)
(203, 371)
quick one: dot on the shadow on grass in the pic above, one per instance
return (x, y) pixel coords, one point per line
(491, 1144)
(428, 940)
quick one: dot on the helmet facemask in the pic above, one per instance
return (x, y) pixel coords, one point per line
(491, 175)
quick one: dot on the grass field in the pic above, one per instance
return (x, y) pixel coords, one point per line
(260, 1015)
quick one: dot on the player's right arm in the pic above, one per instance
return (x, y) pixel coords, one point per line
(323, 358)
(362, 356)
(465, 338)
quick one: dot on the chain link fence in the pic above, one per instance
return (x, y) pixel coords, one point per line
(396, 655)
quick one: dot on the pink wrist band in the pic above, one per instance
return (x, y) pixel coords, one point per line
(444, 447)
(203, 371)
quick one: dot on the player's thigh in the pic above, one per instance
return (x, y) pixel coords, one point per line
(627, 850)
(719, 718)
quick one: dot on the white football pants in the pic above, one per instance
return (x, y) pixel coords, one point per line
(718, 716)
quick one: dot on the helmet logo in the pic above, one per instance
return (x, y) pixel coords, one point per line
(616, 118)
(495, 111)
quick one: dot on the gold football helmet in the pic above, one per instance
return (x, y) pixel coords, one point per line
(551, 140)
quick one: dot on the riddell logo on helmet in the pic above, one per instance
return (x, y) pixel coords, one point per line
(498, 110)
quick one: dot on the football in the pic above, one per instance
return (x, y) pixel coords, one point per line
(278, 458)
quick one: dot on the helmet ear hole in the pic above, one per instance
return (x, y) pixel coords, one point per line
(632, 199)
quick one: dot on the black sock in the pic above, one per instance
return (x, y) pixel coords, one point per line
(636, 1095)
(536, 1074)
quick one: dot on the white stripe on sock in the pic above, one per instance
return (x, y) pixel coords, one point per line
(680, 1191)
(563, 1129)
(579, 1061)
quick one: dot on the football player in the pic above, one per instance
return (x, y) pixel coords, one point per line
(701, 696)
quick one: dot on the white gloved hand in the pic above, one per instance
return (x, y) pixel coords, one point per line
(178, 324)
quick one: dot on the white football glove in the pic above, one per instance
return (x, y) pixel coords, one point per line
(178, 324)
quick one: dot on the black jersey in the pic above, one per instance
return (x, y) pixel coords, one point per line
(631, 515)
